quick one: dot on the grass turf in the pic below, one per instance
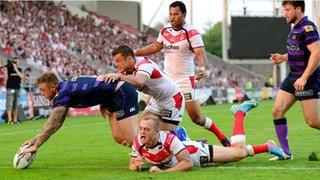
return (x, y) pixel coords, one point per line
(84, 149)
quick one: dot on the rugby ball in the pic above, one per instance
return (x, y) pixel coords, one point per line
(22, 162)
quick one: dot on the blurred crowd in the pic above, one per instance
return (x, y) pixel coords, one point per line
(48, 36)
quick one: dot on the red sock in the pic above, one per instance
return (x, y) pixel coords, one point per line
(215, 129)
(260, 148)
(238, 127)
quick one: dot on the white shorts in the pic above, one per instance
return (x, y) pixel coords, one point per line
(186, 85)
(198, 150)
(170, 109)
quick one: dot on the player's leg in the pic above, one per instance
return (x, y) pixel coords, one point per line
(15, 105)
(187, 87)
(129, 129)
(116, 134)
(9, 105)
(238, 149)
(164, 113)
(282, 104)
(311, 112)
(194, 112)
(123, 119)
(269, 146)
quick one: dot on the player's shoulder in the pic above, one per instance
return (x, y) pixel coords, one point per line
(189, 27)
(307, 25)
(142, 61)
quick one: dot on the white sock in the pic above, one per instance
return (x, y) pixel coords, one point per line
(250, 150)
(239, 138)
(208, 123)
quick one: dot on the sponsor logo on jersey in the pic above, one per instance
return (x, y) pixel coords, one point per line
(170, 47)
(132, 109)
(120, 113)
(187, 96)
(166, 113)
(308, 28)
(293, 48)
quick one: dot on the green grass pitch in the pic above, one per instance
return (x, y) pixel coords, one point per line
(84, 149)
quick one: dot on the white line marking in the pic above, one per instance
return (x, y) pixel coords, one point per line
(217, 167)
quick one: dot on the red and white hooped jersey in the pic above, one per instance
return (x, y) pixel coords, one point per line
(159, 85)
(167, 147)
(178, 46)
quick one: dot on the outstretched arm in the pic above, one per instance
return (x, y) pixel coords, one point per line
(149, 49)
(137, 80)
(200, 53)
(54, 123)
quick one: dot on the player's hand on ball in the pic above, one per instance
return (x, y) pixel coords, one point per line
(31, 150)
(24, 157)
(200, 72)
(29, 143)
(154, 169)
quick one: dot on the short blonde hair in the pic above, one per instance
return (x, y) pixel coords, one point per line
(47, 78)
(152, 118)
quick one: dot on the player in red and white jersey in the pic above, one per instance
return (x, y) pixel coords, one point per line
(169, 154)
(167, 101)
(182, 44)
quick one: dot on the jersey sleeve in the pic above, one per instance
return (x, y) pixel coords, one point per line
(310, 34)
(145, 68)
(195, 39)
(160, 37)
(134, 152)
(176, 146)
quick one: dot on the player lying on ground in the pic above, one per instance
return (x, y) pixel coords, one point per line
(169, 154)
(117, 100)
(167, 101)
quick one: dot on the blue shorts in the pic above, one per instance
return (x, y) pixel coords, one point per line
(311, 89)
(124, 102)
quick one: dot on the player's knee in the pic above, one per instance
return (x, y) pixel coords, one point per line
(198, 120)
(314, 123)
(240, 154)
(277, 112)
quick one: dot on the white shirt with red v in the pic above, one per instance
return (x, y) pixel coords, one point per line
(178, 46)
(164, 151)
(159, 85)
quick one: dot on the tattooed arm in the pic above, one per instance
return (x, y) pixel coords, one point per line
(184, 163)
(54, 122)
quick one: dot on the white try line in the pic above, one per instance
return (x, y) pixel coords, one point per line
(261, 168)
(271, 168)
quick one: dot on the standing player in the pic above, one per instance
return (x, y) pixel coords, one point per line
(182, 43)
(117, 100)
(169, 154)
(303, 81)
(167, 101)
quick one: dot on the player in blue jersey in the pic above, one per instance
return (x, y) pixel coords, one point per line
(117, 100)
(303, 81)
